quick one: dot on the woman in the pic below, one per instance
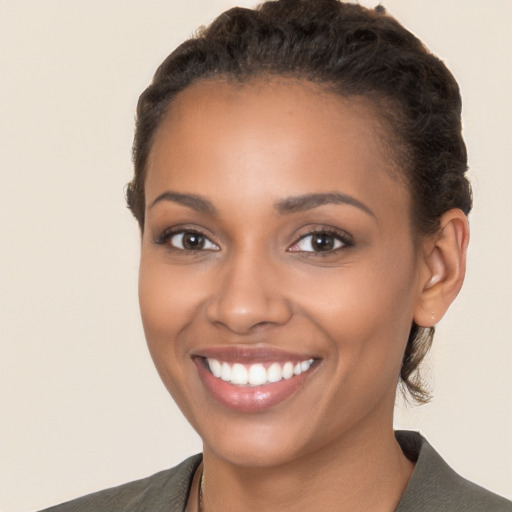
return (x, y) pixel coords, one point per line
(301, 193)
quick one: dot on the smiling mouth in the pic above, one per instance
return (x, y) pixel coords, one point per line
(259, 374)
(252, 381)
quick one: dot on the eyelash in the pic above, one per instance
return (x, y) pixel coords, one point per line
(167, 235)
(340, 236)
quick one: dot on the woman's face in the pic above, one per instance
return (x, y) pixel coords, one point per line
(277, 240)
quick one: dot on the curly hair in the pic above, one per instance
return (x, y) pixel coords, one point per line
(350, 50)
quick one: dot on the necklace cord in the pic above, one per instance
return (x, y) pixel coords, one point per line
(200, 492)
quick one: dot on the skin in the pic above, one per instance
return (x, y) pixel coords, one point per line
(258, 281)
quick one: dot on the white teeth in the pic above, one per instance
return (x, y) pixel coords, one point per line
(287, 370)
(226, 372)
(305, 365)
(274, 372)
(215, 367)
(239, 374)
(256, 374)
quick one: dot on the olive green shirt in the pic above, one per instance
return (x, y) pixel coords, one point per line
(433, 487)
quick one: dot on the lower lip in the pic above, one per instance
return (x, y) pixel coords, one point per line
(249, 398)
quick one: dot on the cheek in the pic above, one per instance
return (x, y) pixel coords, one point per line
(165, 298)
(157, 297)
(366, 310)
(168, 295)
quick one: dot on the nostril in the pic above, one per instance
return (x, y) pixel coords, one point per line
(252, 315)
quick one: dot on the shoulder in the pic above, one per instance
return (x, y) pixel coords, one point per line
(164, 491)
(435, 487)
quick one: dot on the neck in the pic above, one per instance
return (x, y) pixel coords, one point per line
(362, 471)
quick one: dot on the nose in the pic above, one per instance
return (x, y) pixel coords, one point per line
(249, 296)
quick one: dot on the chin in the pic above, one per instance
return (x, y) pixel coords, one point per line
(252, 443)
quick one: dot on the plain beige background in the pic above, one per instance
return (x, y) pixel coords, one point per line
(81, 406)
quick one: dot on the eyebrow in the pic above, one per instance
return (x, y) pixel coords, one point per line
(193, 201)
(289, 205)
(309, 201)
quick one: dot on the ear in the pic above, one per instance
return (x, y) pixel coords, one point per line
(443, 268)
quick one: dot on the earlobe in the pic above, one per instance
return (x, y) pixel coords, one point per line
(444, 267)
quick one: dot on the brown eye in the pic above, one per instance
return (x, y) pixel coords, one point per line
(321, 241)
(192, 241)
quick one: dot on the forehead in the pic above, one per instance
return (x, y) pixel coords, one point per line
(272, 138)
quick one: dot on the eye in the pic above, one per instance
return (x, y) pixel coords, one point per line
(320, 241)
(189, 241)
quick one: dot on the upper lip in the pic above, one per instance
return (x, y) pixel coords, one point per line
(251, 354)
